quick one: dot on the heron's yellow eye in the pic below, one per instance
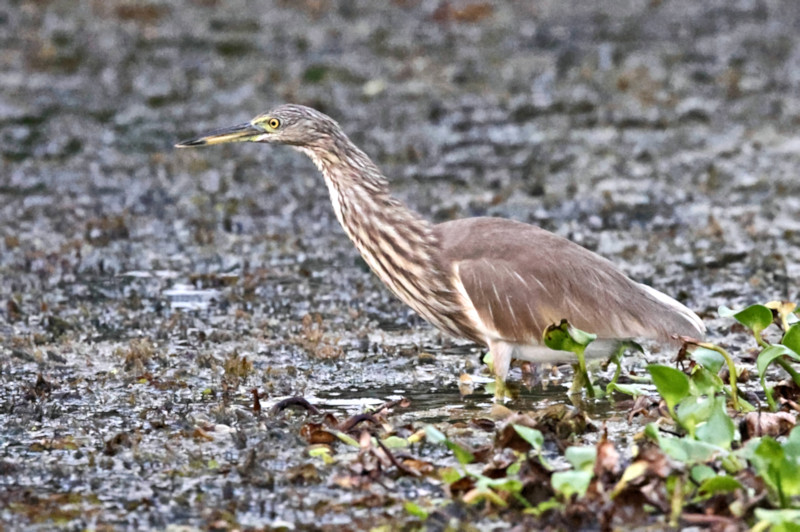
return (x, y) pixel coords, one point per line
(274, 123)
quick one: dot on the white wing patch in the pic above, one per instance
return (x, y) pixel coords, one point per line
(486, 330)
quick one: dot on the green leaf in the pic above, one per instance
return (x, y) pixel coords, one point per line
(778, 517)
(769, 354)
(511, 485)
(733, 464)
(450, 475)
(319, 451)
(705, 382)
(755, 317)
(347, 439)
(631, 473)
(651, 431)
(477, 495)
(415, 510)
(634, 390)
(565, 337)
(780, 473)
(322, 452)
(543, 507)
(672, 385)
(767, 453)
(686, 450)
(462, 455)
(792, 444)
(532, 436)
(765, 358)
(719, 430)
(568, 483)
(708, 358)
(792, 338)
(581, 458)
(395, 442)
(718, 484)
(581, 337)
(434, 435)
(786, 526)
(702, 472)
(693, 411)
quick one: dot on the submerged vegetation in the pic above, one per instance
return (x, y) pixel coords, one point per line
(706, 457)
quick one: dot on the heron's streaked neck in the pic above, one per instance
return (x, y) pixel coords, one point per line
(363, 203)
(398, 244)
(348, 167)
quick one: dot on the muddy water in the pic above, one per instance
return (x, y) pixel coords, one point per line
(135, 278)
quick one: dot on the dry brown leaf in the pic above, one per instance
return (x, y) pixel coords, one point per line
(315, 433)
(607, 462)
(767, 424)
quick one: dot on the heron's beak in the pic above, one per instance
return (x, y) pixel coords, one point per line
(240, 133)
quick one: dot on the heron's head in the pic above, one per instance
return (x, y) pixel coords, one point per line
(295, 125)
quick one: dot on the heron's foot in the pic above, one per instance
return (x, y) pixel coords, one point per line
(500, 354)
(502, 392)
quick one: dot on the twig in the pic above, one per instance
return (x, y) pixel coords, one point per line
(349, 423)
(280, 406)
(399, 465)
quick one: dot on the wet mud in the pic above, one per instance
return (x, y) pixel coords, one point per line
(147, 291)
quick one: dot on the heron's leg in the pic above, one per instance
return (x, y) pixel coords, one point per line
(501, 362)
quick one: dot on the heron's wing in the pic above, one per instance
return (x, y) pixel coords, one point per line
(519, 279)
(516, 304)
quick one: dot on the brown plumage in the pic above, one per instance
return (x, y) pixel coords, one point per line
(496, 282)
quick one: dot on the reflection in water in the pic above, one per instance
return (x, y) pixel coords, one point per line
(447, 403)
